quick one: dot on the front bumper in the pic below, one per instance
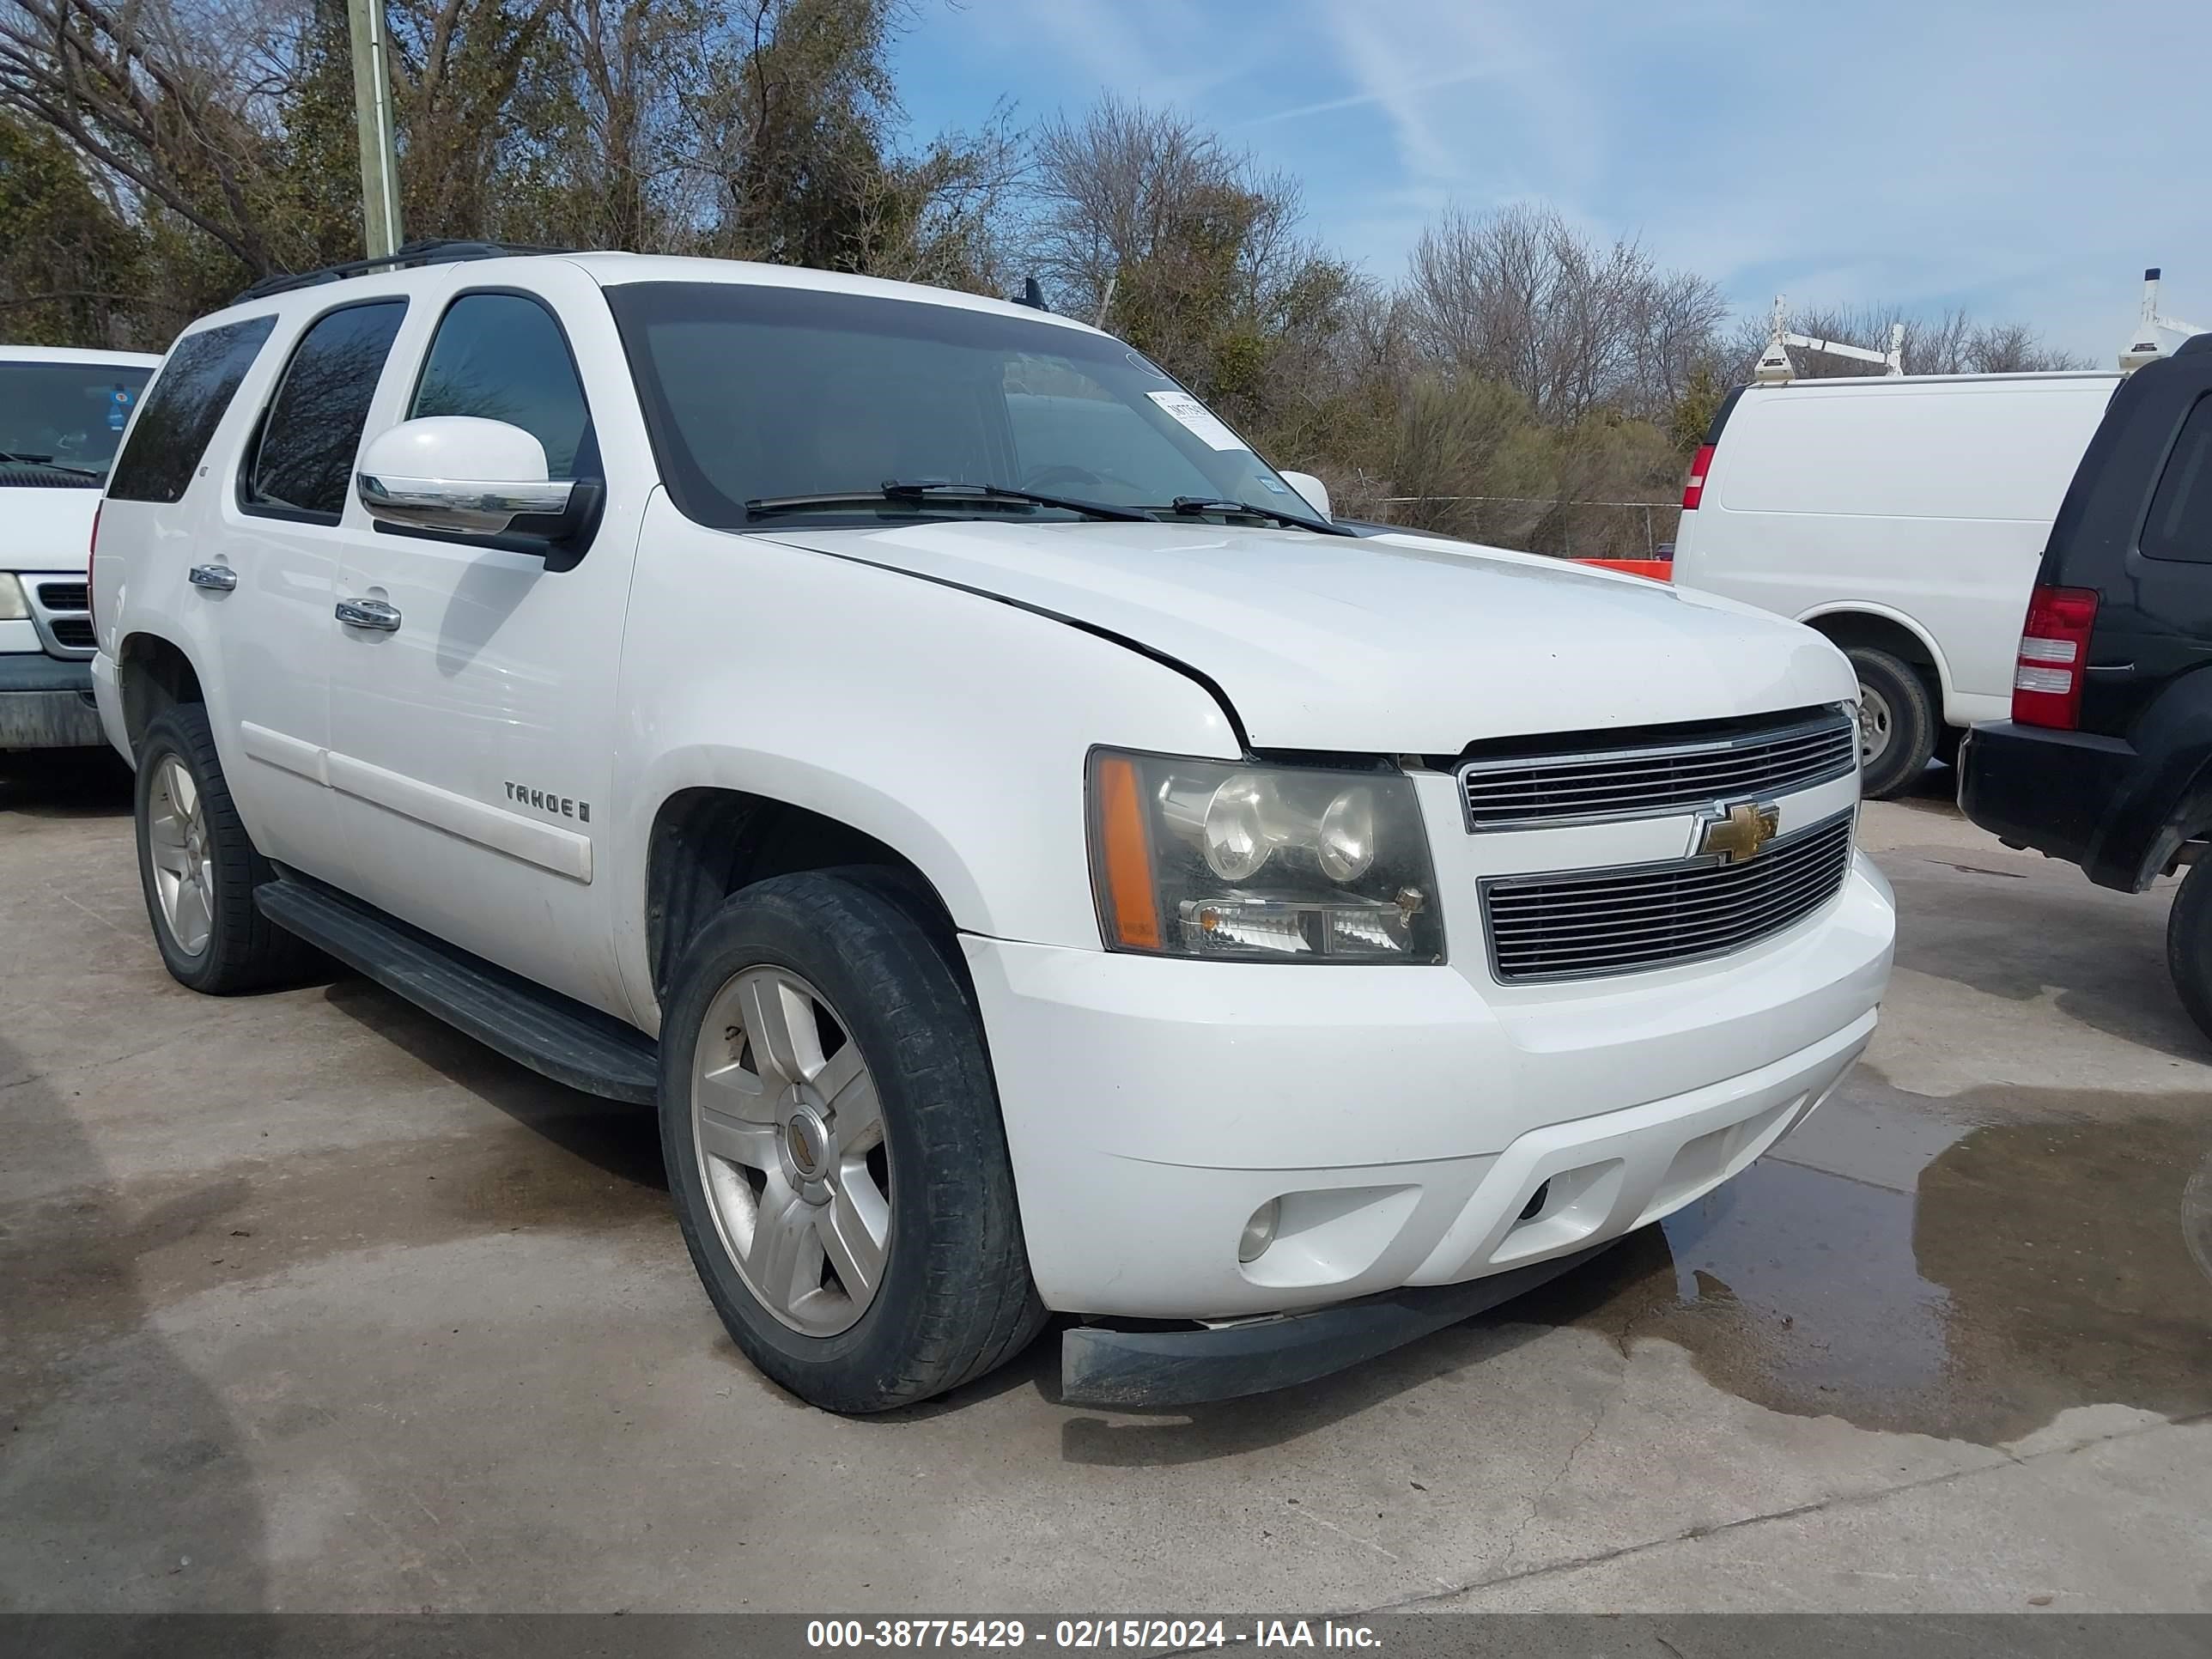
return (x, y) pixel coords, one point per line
(45, 703)
(1405, 1118)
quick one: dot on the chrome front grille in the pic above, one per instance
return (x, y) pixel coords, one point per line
(1578, 923)
(1762, 760)
(61, 610)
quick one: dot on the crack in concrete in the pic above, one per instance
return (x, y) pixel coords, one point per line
(1370, 1544)
(192, 1032)
(1838, 1501)
(1613, 1396)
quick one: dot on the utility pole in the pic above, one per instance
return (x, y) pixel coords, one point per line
(372, 108)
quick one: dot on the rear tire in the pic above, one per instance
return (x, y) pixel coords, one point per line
(2189, 945)
(1898, 722)
(859, 1138)
(199, 867)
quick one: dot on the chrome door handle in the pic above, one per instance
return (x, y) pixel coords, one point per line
(369, 613)
(221, 578)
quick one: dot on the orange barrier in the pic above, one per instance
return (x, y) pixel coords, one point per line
(1657, 570)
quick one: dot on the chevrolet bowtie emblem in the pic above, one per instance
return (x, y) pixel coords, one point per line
(1735, 835)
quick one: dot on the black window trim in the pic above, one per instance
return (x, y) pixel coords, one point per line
(559, 553)
(251, 453)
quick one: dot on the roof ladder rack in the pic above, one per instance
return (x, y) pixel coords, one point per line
(2145, 345)
(1775, 367)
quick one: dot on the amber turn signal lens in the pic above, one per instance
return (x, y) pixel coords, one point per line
(1132, 906)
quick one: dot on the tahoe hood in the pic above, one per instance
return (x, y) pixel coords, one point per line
(1385, 644)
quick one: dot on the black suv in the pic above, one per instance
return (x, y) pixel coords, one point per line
(2106, 761)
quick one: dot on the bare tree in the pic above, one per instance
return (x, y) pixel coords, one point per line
(152, 94)
(1187, 249)
(1146, 201)
(1572, 324)
(1681, 316)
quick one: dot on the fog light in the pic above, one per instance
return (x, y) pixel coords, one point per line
(1260, 1230)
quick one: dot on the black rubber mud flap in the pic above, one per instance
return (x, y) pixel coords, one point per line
(1151, 1370)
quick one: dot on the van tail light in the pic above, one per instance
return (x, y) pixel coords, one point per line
(91, 553)
(2054, 655)
(1693, 489)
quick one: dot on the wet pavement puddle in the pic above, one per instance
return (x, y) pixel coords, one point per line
(2030, 1265)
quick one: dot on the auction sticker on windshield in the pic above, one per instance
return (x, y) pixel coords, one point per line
(1199, 418)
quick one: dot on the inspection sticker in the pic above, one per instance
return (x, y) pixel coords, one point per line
(1199, 418)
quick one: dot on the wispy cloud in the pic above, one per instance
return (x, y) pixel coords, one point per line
(1975, 154)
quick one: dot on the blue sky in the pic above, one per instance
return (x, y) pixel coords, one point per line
(2027, 159)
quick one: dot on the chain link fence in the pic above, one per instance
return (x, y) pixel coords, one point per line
(1564, 529)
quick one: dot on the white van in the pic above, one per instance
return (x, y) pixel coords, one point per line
(62, 415)
(1903, 517)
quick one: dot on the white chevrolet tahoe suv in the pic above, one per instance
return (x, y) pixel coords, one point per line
(1034, 861)
(62, 414)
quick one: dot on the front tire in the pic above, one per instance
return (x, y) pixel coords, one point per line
(1898, 722)
(835, 1148)
(2189, 945)
(199, 867)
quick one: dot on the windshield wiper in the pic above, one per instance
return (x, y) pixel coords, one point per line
(941, 489)
(47, 462)
(1196, 504)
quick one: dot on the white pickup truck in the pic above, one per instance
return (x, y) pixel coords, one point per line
(1033, 860)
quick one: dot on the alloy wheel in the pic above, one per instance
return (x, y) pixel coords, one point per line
(184, 862)
(792, 1153)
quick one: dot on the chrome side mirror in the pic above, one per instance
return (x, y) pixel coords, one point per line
(456, 472)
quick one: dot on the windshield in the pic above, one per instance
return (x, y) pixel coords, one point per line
(756, 394)
(64, 418)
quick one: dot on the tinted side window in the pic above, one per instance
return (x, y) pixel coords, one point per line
(2180, 522)
(195, 386)
(503, 357)
(308, 438)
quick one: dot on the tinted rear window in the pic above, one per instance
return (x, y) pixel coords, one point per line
(2180, 523)
(194, 387)
(304, 464)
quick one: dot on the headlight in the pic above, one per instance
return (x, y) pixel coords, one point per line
(1197, 858)
(13, 608)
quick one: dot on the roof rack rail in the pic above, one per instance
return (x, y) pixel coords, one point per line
(433, 252)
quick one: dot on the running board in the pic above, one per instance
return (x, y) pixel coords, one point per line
(550, 1033)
